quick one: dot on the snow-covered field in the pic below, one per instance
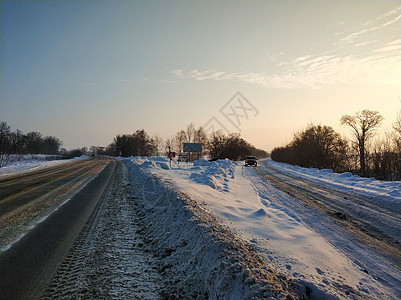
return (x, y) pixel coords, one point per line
(257, 212)
(33, 162)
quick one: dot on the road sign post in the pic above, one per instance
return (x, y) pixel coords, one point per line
(192, 147)
(171, 154)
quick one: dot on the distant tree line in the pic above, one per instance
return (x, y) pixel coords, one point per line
(215, 145)
(231, 146)
(315, 147)
(321, 147)
(136, 144)
(16, 142)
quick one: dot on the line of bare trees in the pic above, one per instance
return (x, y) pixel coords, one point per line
(16, 142)
(321, 147)
(216, 145)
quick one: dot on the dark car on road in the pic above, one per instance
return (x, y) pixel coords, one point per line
(251, 161)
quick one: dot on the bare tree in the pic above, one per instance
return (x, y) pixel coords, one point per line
(33, 142)
(201, 137)
(397, 131)
(169, 144)
(191, 131)
(17, 140)
(137, 144)
(158, 143)
(216, 143)
(397, 139)
(51, 145)
(363, 124)
(180, 139)
(385, 159)
(5, 148)
(315, 147)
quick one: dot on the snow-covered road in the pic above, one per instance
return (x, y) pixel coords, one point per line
(363, 228)
(336, 233)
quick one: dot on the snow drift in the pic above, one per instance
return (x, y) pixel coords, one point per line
(296, 241)
(200, 258)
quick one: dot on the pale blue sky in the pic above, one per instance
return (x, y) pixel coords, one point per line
(85, 71)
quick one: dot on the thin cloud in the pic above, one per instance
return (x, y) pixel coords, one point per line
(355, 35)
(302, 58)
(381, 66)
(388, 14)
(390, 48)
(274, 57)
(395, 42)
(365, 43)
(177, 72)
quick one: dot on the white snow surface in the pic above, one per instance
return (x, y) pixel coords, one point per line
(257, 212)
(385, 190)
(33, 162)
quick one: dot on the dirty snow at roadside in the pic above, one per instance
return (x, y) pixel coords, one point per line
(33, 162)
(255, 211)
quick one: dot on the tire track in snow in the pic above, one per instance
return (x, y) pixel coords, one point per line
(372, 250)
(345, 209)
(109, 259)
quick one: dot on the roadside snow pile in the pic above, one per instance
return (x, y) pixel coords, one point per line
(163, 165)
(201, 162)
(31, 162)
(215, 174)
(199, 257)
(160, 162)
(367, 186)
